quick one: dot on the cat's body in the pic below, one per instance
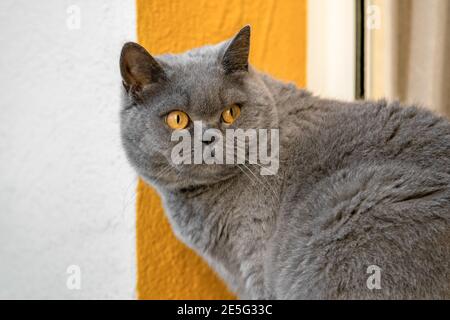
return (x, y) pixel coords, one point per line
(360, 184)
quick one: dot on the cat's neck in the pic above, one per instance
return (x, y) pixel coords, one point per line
(286, 94)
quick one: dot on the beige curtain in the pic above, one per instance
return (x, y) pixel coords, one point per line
(409, 52)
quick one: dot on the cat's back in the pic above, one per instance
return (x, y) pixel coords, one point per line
(336, 135)
(369, 186)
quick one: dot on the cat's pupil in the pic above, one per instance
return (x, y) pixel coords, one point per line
(231, 113)
(178, 118)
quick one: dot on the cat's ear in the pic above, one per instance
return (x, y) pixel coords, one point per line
(138, 68)
(235, 57)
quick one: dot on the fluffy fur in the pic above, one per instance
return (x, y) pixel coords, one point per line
(359, 184)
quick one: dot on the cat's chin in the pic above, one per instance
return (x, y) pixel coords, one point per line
(195, 175)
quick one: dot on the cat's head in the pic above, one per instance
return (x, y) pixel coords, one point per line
(163, 94)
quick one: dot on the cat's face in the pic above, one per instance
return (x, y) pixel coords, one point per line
(211, 84)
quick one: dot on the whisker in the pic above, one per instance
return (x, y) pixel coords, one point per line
(249, 177)
(265, 168)
(267, 187)
(161, 173)
(129, 196)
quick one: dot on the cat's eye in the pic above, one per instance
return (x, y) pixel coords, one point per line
(177, 120)
(230, 114)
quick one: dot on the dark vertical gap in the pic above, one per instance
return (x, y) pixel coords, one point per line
(360, 45)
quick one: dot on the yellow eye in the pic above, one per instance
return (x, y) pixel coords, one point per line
(230, 114)
(177, 120)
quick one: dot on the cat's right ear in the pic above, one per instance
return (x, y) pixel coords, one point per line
(235, 58)
(138, 68)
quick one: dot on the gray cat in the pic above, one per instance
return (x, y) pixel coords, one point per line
(360, 205)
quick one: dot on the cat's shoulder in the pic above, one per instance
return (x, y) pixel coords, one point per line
(332, 126)
(383, 112)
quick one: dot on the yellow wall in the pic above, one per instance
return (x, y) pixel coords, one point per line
(166, 268)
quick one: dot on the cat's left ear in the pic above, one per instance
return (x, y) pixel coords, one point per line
(138, 68)
(235, 57)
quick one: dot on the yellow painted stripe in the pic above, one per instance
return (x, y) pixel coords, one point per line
(166, 268)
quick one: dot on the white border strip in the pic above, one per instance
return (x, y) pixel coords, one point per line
(331, 48)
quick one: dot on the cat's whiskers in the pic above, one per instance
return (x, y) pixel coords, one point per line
(130, 196)
(162, 172)
(249, 177)
(255, 180)
(266, 177)
(266, 186)
(265, 168)
(256, 163)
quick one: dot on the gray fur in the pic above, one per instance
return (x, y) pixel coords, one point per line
(359, 184)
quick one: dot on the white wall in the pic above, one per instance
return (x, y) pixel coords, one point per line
(66, 191)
